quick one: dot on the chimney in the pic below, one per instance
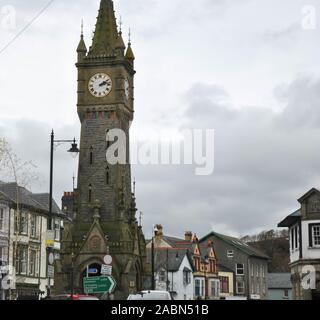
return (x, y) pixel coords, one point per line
(188, 236)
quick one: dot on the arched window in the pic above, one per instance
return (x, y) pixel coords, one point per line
(90, 193)
(107, 176)
(91, 156)
(107, 138)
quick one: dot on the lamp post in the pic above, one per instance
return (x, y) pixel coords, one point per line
(154, 232)
(74, 149)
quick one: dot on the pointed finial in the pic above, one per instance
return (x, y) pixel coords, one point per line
(140, 218)
(82, 28)
(129, 36)
(134, 186)
(120, 25)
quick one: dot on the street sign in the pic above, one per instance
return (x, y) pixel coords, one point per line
(107, 259)
(99, 285)
(50, 271)
(106, 270)
(51, 258)
(93, 271)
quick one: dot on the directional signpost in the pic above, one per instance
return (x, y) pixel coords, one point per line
(99, 284)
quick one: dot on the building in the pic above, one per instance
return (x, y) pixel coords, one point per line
(174, 272)
(279, 286)
(28, 242)
(105, 208)
(248, 265)
(205, 273)
(226, 278)
(304, 236)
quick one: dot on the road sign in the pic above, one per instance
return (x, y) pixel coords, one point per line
(93, 271)
(50, 271)
(51, 258)
(106, 270)
(107, 259)
(99, 285)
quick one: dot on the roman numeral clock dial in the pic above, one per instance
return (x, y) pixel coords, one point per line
(100, 85)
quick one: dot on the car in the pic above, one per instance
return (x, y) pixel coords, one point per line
(74, 297)
(151, 295)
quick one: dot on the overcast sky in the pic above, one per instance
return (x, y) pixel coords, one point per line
(247, 69)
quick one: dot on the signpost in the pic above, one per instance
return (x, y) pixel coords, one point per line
(107, 259)
(99, 284)
(106, 270)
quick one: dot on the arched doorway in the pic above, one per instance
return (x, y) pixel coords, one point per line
(91, 270)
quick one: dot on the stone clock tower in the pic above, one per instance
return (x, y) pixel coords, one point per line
(105, 209)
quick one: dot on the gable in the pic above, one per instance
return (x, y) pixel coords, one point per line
(95, 240)
(196, 250)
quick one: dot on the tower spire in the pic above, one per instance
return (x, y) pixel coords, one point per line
(106, 37)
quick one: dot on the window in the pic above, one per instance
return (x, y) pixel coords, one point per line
(22, 260)
(252, 270)
(258, 287)
(294, 237)
(107, 176)
(197, 263)
(34, 226)
(91, 156)
(215, 288)
(3, 255)
(186, 277)
(212, 266)
(199, 288)
(23, 223)
(286, 294)
(1, 219)
(240, 269)
(90, 193)
(57, 227)
(32, 262)
(224, 284)
(162, 276)
(230, 254)
(257, 270)
(240, 287)
(315, 235)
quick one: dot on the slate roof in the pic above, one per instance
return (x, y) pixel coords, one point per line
(290, 219)
(279, 281)
(236, 243)
(171, 257)
(38, 201)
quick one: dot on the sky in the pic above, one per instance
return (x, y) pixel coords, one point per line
(247, 69)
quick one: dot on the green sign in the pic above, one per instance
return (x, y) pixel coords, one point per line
(99, 284)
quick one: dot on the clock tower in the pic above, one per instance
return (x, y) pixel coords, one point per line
(105, 210)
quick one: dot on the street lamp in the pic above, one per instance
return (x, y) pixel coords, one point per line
(73, 150)
(154, 232)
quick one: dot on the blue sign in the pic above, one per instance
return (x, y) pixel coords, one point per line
(93, 271)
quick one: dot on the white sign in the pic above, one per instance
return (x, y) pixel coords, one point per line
(106, 270)
(107, 259)
(51, 258)
(50, 271)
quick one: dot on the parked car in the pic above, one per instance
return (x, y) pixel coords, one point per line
(151, 295)
(74, 297)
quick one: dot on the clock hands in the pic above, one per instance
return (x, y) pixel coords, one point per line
(102, 84)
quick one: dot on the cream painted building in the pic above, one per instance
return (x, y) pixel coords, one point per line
(26, 243)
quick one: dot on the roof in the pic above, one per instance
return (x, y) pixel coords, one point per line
(290, 219)
(172, 258)
(38, 201)
(242, 246)
(308, 194)
(223, 268)
(279, 281)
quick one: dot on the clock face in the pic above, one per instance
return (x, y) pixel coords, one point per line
(127, 88)
(100, 85)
